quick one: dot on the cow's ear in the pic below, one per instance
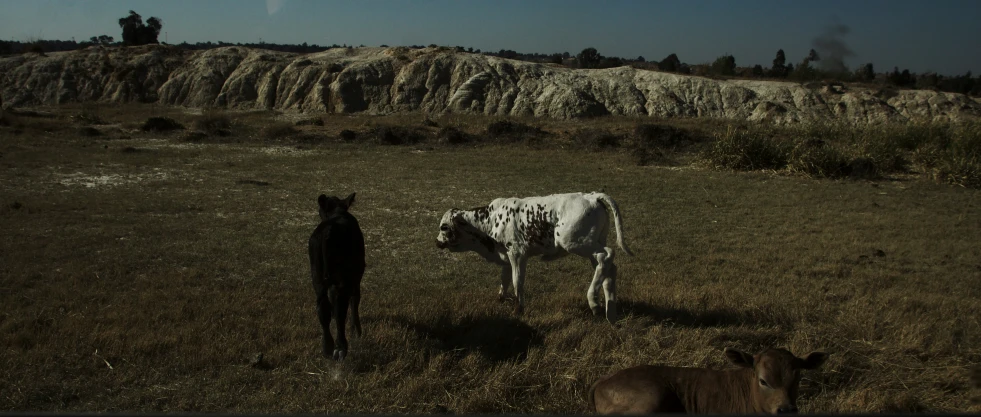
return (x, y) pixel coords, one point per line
(349, 200)
(813, 360)
(322, 202)
(458, 218)
(739, 358)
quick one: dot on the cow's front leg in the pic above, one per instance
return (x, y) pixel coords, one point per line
(502, 295)
(518, 263)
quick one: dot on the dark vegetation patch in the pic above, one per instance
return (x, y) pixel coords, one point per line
(453, 136)
(597, 139)
(653, 143)
(160, 124)
(348, 135)
(313, 121)
(193, 136)
(89, 131)
(277, 130)
(213, 123)
(253, 182)
(512, 131)
(398, 135)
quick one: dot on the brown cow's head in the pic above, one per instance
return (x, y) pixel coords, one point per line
(777, 377)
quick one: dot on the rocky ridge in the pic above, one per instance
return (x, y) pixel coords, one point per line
(437, 80)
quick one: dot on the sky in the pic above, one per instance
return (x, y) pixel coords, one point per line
(922, 35)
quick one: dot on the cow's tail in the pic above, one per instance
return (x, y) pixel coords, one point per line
(617, 221)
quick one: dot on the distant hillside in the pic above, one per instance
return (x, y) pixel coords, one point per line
(389, 80)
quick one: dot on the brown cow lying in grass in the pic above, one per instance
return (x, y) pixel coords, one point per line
(765, 383)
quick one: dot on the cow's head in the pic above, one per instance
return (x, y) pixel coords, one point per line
(330, 205)
(776, 377)
(451, 231)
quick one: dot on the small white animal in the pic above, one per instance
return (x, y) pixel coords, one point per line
(510, 230)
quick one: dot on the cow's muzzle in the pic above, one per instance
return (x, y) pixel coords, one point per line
(441, 245)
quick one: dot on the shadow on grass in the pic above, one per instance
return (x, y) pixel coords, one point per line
(687, 317)
(497, 339)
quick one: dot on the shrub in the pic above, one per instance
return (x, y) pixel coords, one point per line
(959, 170)
(452, 136)
(596, 139)
(649, 135)
(89, 131)
(213, 122)
(277, 130)
(513, 131)
(161, 124)
(397, 135)
(315, 121)
(348, 135)
(818, 159)
(746, 150)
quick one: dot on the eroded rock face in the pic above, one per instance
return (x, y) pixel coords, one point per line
(388, 80)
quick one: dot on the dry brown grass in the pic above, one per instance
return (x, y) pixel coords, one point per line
(146, 275)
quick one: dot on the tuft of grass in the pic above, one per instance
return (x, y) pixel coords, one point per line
(818, 159)
(747, 150)
(597, 139)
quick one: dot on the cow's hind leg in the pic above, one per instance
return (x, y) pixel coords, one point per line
(341, 297)
(323, 313)
(609, 270)
(594, 285)
(502, 295)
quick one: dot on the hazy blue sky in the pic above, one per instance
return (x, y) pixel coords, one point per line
(939, 35)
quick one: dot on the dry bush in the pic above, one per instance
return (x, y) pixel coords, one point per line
(747, 150)
(596, 139)
(453, 136)
(89, 131)
(313, 121)
(161, 124)
(214, 122)
(398, 135)
(277, 130)
(513, 131)
(348, 135)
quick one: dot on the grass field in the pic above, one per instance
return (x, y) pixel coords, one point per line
(145, 272)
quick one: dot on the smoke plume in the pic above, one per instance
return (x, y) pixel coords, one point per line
(273, 6)
(832, 49)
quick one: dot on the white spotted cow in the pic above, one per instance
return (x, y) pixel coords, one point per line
(510, 230)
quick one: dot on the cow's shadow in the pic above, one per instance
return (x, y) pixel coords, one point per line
(497, 339)
(686, 317)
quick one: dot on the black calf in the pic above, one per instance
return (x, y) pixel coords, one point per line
(336, 265)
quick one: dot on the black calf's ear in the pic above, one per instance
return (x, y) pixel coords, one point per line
(813, 360)
(739, 358)
(322, 201)
(349, 200)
